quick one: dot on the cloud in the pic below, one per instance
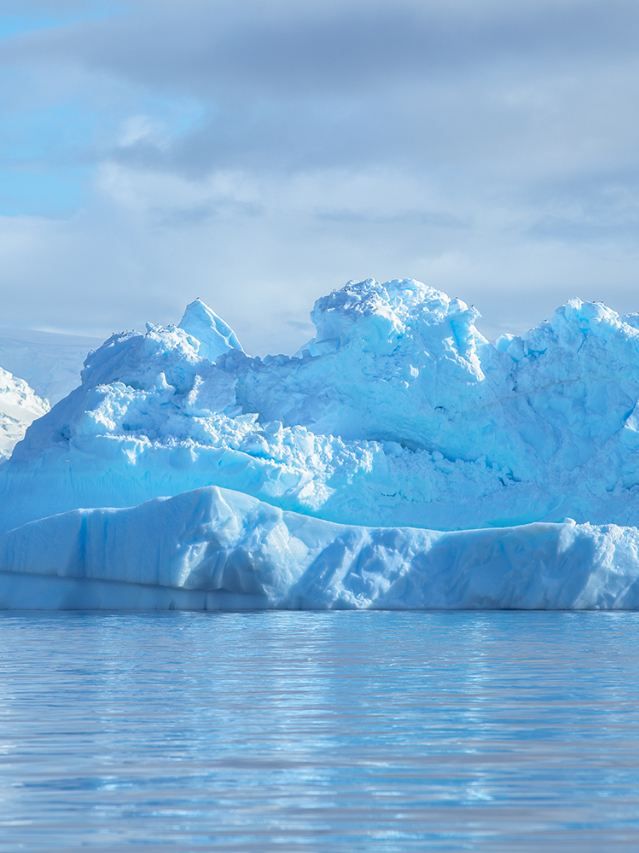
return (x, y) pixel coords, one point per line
(260, 153)
(300, 48)
(456, 88)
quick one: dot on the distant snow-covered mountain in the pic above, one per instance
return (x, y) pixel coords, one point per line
(49, 361)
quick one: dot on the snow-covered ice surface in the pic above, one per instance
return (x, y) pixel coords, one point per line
(19, 406)
(398, 460)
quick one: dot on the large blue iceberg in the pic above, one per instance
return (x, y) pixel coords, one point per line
(399, 460)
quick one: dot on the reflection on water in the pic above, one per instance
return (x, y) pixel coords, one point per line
(480, 731)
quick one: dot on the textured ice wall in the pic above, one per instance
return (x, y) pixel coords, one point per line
(398, 412)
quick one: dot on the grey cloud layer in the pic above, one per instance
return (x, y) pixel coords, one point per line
(293, 85)
(439, 86)
(330, 47)
(480, 145)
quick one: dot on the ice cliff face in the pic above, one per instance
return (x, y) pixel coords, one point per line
(215, 549)
(19, 406)
(398, 412)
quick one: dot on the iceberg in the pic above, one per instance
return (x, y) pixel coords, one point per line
(19, 407)
(399, 459)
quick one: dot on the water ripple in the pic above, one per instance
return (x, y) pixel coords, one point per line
(452, 731)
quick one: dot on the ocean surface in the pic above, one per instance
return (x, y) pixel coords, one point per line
(348, 731)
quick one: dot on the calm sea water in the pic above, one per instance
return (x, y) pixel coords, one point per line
(352, 731)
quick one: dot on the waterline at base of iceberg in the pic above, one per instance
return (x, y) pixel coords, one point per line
(26, 591)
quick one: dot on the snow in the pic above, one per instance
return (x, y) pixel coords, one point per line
(19, 406)
(400, 459)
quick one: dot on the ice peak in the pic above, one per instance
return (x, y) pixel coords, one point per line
(382, 312)
(214, 335)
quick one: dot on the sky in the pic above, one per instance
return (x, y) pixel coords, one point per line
(260, 153)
